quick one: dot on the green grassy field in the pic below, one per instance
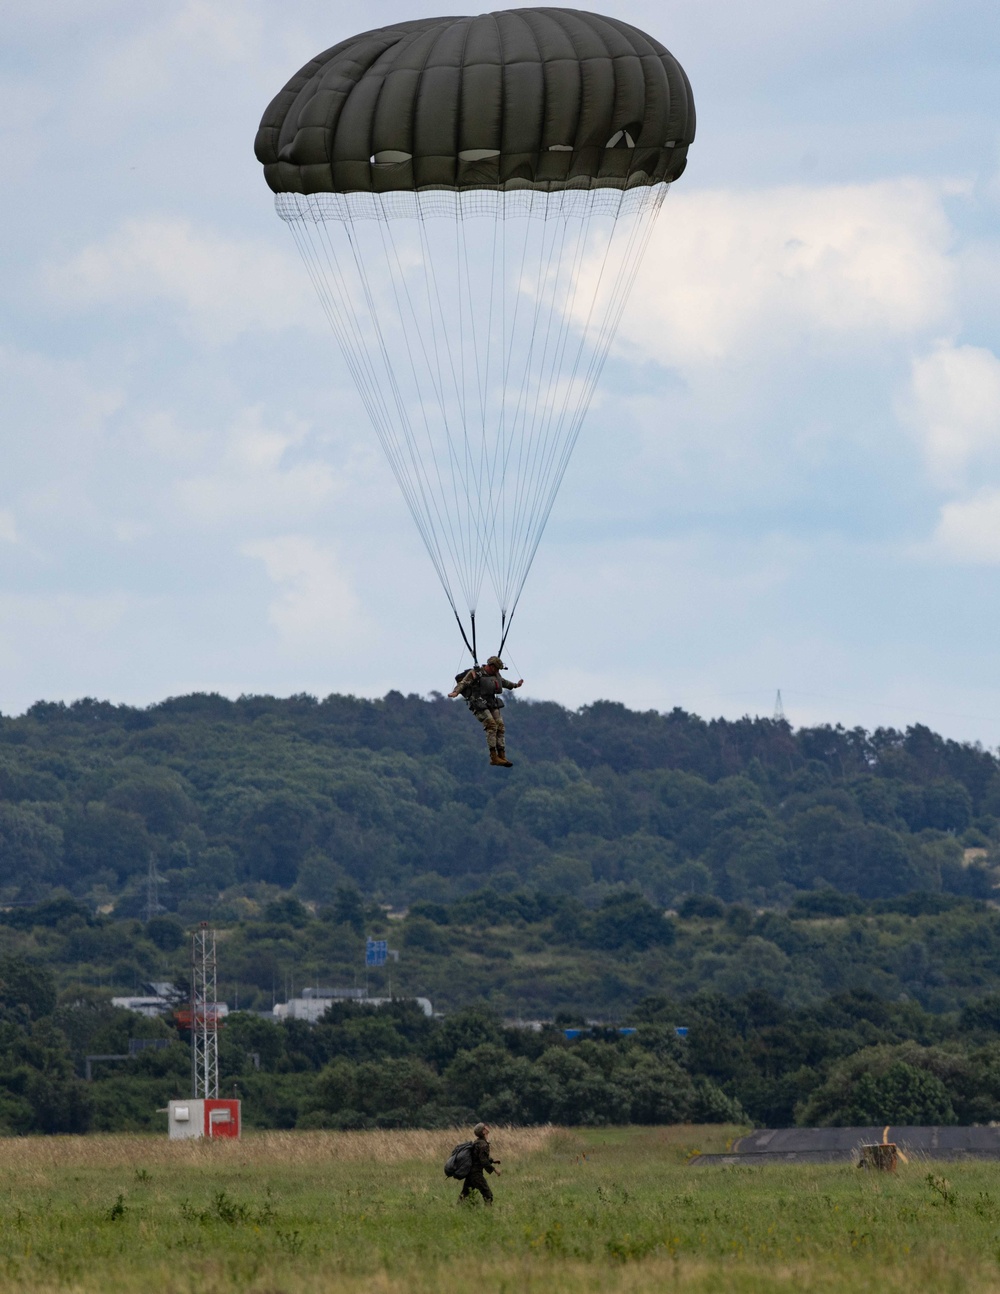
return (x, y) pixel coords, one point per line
(604, 1210)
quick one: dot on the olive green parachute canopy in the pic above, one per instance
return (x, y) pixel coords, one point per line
(472, 198)
(542, 99)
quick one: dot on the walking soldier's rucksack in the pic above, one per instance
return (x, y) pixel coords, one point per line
(459, 1162)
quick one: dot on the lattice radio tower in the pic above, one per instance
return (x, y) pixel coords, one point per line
(779, 709)
(204, 1015)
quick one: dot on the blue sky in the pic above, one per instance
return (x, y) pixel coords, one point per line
(790, 478)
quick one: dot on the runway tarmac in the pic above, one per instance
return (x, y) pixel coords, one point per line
(841, 1145)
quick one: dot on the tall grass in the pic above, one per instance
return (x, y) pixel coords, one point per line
(111, 1151)
(615, 1210)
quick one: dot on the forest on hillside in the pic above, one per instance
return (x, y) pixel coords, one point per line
(530, 955)
(816, 907)
(236, 802)
(848, 1059)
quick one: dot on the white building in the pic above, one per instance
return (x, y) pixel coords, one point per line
(158, 1000)
(313, 1003)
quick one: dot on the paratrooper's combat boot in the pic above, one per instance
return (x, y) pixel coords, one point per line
(502, 759)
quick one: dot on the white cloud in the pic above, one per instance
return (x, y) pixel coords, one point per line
(127, 532)
(146, 61)
(317, 608)
(43, 394)
(254, 475)
(37, 22)
(223, 286)
(165, 438)
(54, 426)
(954, 406)
(24, 104)
(39, 624)
(968, 530)
(8, 527)
(729, 273)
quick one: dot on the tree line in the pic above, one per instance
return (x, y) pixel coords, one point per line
(240, 800)
(815, 906)
(530, 954)
(850, 1059)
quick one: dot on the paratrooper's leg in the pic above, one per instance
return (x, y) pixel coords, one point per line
(488, 719)
(502, 742)
(476, 1181)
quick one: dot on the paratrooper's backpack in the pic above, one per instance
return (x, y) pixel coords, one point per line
(481, 698)
(459, 1162)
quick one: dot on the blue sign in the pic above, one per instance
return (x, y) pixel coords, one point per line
(681, 1030)
(376, 952)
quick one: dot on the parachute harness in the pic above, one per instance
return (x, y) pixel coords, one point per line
(475, 324)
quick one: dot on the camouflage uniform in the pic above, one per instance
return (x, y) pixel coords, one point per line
(483, 694)
(482, 1163)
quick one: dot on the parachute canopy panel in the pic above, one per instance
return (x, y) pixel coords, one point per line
(542, 99)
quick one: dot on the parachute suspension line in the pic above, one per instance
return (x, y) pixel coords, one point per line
(510, 423)
(474, 474)
(638, 241)
(424, 505)
(575, 421)
(532, 384)
(496, 423)
(478, 427)
(430, 327)
(505, 620)
(551, 356)
(332, 288)
(512, 420)
(486, 468)
(461, 630)
(434, 309)
(464, 331)
(547, 441)
(431, 502)
(457, 544)
(464, 280)
(370, 385)
(643, 223)
(541, 507)
(565, 266)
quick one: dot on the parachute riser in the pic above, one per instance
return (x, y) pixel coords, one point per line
(470, 638)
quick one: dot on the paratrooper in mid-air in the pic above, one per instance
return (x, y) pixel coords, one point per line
(482, 687)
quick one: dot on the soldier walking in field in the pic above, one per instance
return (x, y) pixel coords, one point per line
(482, 687)
(482, 1163)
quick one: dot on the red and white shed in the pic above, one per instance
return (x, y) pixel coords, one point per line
(199, 1117)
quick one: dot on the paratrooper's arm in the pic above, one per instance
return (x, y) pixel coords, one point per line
(459, 688)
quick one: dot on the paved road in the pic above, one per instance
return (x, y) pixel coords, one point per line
(840, 1145)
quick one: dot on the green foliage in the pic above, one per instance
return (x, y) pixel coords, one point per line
(881, 1085)
(628, 921)
(827, 890)
(348, 909)
(26, 991)
(166, 933)
(613, 1210)
(345, 800)
(287, 909)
